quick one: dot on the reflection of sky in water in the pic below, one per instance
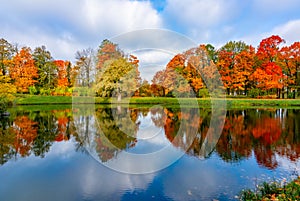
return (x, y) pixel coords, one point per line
(68, 175)
(150, 138)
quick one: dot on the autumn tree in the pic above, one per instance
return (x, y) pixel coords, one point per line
(62, 77)
(118, 76)
(107, 51)
(243, 69)
(226, 63)
(145, 89)
(157, 87)
(47, 70)
(176, 74)
(268, 73)
(23, 70)
(290, 58)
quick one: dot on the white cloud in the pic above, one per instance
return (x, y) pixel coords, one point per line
(65, 26)
(205, 13)
(289, 31)
(201, 18)
(152, 61)
(271, 6)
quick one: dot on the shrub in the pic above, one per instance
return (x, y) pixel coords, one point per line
(273, 191)
(203, 93)
(254, 93)
(32, 90)
(45, 92)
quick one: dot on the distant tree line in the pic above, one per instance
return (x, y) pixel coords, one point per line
(270, 70)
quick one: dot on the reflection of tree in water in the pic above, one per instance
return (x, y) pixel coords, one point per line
(265, 132)
(235, 141)
(117, 131)
(184, 128)
(7, 139)
(34, 132)
(289, 144)
(268, 131)
(25, 133)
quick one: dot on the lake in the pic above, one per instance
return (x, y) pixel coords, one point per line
(144, 153)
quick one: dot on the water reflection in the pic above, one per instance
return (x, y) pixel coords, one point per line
(27, 132)
(267, 133)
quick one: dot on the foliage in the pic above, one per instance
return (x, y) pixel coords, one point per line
(107, 51)
(273, 191)
(254, 93)
(272, 68)
(32, 90)
(23, 70)
(47, 70)
(118, 76)
(203, 93)
(7, 51)
(7, 92)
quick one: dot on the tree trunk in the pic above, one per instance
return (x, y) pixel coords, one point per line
(119, 97)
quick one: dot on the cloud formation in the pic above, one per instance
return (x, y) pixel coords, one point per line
(65, 26)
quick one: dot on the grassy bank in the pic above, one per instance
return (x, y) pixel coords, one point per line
(231, 102)
(273, 191)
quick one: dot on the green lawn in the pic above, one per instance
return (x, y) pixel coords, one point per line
(231, 102)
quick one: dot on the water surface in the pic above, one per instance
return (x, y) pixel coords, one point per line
(65, 153)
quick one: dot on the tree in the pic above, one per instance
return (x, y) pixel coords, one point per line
(243, 68)
(290, 58)
(23, 70)
(157, 87)
(145, 89)
(212, 53)
(268, 73)
(47, 70)
(175, 80)
(62, 78)
(85, 64)
(118, 76)
(107, 51)
(7, 92)
(7, 51)
(226, 63)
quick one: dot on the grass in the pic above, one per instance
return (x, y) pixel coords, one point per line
(273, 191)
(203, 102)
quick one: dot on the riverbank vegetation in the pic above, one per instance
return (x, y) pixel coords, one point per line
(270, 71)
(273, 191)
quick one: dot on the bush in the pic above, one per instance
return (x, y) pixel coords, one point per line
(45, 92)
(254, 93)
(32, 90)
(203, 93)
(273, 191)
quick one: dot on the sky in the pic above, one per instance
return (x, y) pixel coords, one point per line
(66, 26)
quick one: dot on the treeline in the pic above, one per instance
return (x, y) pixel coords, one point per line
(270, 70)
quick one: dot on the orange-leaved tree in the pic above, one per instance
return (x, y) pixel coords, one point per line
(23, 70)
(268, 73)
(62, 78)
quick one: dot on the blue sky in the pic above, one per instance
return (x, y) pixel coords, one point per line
(65, 26)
